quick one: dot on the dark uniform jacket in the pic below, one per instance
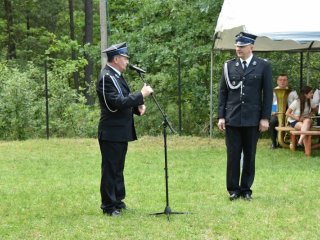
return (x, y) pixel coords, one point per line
(117, 106)
(246, 105)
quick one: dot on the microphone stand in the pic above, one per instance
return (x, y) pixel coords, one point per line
(167, 211)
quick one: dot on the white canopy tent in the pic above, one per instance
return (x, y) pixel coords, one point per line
(281, 25)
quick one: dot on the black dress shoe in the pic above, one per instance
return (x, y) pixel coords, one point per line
(121, 206)
(247, 197)
(234, 196)
(114, 213)
(274, 146)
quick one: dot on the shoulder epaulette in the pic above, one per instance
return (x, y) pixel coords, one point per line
(233, 59)
(105, 72)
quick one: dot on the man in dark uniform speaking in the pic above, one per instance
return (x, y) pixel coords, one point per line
(116, 126)
(244, 108)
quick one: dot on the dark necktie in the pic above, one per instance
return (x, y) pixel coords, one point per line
(244, 66)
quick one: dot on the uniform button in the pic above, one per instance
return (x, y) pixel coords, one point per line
(242, 101)
(243, 94)
(243, 78)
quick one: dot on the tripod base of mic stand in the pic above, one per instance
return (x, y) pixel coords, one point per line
(167, 211)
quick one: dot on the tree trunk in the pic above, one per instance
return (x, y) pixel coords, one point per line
(11, 46)
(73, 53)
(88, 39)
(103, 32)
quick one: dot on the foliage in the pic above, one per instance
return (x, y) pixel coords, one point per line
(159, 33)
(168, 30)
(22, 105)
(155, 38)
(289, 63)
(69, 115)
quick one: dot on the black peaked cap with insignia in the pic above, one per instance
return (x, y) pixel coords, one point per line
(117, 49)
(244, 39)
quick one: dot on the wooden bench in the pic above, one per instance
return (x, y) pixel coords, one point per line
(283, 131)
(308, 143)
(288, 129)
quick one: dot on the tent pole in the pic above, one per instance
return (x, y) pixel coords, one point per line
(211, 86)
(308, 67)
(301, 70)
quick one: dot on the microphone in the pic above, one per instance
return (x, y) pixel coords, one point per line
(139, 70)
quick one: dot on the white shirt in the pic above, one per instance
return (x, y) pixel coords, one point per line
(248, 60)
(295, 106)
(116, 70)
(293, 95)
(316, 99)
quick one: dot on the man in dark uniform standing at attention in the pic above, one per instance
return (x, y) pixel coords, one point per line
(116, 126)
(245, 101)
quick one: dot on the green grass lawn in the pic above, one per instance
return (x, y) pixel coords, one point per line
(50, 190)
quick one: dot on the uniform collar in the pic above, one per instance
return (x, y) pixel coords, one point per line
(248, 60)
(114, 69)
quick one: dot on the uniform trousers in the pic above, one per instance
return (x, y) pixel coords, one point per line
(112, 187)
(272, 129)
(241, 143)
